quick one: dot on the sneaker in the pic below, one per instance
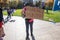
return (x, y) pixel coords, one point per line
(33, 38)
(27, 38)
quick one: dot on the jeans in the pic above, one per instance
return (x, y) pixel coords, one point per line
(27, 28)
(7, 19)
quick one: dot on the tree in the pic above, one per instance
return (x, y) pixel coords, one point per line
(38, 4)
(20, 4)
(12, 4)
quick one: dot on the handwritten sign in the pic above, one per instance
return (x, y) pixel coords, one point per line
(34, 12)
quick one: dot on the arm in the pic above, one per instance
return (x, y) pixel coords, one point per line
(31, 20)
(23, 12)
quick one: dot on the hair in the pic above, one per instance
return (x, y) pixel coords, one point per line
(28, 4)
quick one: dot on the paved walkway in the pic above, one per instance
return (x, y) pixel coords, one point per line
(43, 30)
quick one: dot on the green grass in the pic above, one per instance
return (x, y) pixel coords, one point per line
(17, 13)
(55, 15)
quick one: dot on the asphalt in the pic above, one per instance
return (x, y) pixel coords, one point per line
(42, 30)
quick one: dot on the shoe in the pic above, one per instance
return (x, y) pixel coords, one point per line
(3, 35)
(31, 34)
(27, 38)
(33, 38)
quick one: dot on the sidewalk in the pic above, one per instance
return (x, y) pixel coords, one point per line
(43, 30)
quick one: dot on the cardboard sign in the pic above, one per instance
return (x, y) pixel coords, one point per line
(34, 12)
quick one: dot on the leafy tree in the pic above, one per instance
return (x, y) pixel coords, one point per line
(12, 4)
(20, 4)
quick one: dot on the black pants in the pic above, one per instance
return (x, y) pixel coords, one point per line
(27, 28)
(9, 15)
(8, 18)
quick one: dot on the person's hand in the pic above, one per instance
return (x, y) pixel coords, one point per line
(31, 20)
(2, 23)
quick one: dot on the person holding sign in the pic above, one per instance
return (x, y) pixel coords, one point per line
(28, 22)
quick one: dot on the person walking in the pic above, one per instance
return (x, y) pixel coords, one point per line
(9, 12)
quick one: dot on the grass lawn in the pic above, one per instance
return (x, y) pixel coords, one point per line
(53, 15)
(17, 13)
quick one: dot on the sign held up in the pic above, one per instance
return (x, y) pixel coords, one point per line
(34, 12)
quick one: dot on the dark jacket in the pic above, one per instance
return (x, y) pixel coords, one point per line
(9, 11)
(1, 15)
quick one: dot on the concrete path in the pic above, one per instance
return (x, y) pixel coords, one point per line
(43, 30)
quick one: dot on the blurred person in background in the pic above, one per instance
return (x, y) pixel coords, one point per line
(2, 34)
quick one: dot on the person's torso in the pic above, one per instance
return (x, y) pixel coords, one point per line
(27, 19)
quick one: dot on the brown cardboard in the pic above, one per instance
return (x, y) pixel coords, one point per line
(34, 12)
